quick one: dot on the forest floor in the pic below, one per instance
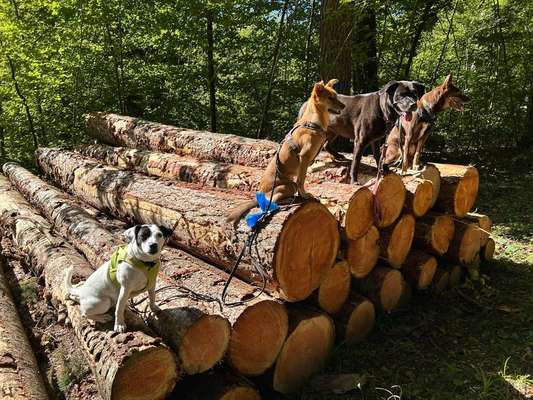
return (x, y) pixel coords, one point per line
(474, 342)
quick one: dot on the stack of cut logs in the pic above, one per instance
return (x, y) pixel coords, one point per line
(329, 263)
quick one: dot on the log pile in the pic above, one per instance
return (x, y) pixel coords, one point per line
(328, 264)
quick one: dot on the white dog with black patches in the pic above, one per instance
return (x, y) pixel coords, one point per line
(131, 270)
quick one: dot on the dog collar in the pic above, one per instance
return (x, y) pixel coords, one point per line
(425, 113)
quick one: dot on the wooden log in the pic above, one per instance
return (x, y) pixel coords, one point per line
(118, 130)
(419, 195)
(127, 365)
(308, 345)
(395, 241)
(20, 377)
(254, 347)
(334, 289)
(383, 286)
(351, 205)
(419, 269)
(455, 274)
(432, 174)
(283, 248)
(355, 320)
(485, 224)
(362, 254)
(458, 189)
(465, 244)
(441, 281)
(487, 252)
(218, 385)
(434, 233)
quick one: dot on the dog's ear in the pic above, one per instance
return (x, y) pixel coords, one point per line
(447, 81)
(131, 233)
(167, 232)
(332, 82)
(390, 87)
(319, 88)
(420, 88)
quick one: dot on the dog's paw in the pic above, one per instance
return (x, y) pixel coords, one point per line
(119, 328)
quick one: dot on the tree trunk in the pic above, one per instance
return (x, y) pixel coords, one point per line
(362, 253)
(395, 241)
(211, 78)
(202, 229)
(218, 385)
(298, 360)
(356, 320)
(119, 361)
(432, 174)
(306, 88)
(426, 15)
(434, 233)
(249, 353)
(20, 377)
(465, 244)
(275, 57)
(364, 52)
(458, 189)
(336, 28)
(419, 269)
(351, 205)
(383, 286)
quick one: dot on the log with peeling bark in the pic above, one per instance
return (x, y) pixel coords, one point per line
(283, 247)
(334, 289)
(259, 329)
(487, 251)
(355, 321)
(362, 254)
(351, 205)
(126, 365)
(383, 286)
(485, 225)
(20, 377)
(419, 268)
(419, 195)
(118, 130)
(465, 244)
(434, 233)
(458, 189)
(395, 241)
(308, 345)
(218, 385)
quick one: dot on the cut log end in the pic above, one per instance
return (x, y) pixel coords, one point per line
(441, 281)
(390, 198)
(360, 322)
(257, 337)
(419, 269)
(466, 192)
(391, 290)
(422, 198)
(241, 393)
(362, 254)
(311, 233)
(304, 352)
(400, 241)
(431, 173)
(487, 251)
(442, 233)
(149, 374)
(466, 243)
(204, 344)
(455, 273)
(360, 213)
(485, 225)
(335, 287)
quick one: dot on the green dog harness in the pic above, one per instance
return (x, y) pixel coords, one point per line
(150, 269)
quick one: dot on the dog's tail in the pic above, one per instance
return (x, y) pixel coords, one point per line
(71, 293)
(237, 212)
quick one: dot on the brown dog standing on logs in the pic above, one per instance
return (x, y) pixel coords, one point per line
(297, 151)
(417, 129)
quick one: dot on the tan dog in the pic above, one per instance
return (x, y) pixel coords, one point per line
(417, 129)
(297, 151)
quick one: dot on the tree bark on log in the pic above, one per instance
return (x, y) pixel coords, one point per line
(383, 286)
(125, 365)
(441, 281)
(218, 385)
(362, 254)
(20, 377)
(434, 233)
(485, 225)
(465, 244)
(118, 130)
(458, 189)
(351, 205)
(487, 252)
(252, 349)
(419, 269)
(292, 237)
(355, 320)
(395, 241)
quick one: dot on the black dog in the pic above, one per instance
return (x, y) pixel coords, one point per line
(367, 118)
